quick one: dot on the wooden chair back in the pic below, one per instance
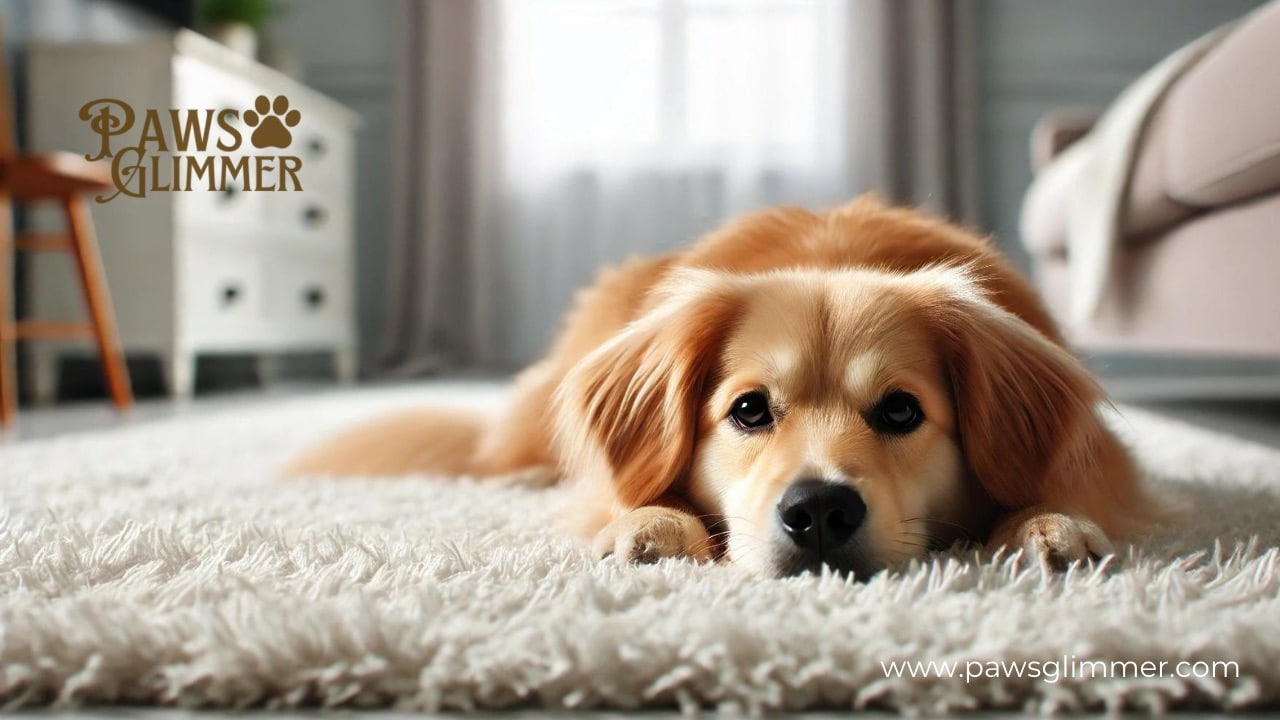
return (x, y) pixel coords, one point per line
(8, 142)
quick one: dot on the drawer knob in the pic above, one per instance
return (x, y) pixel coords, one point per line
(316, 146)
(313, 297)
(231, 294)
(314, 215)
(229, 192)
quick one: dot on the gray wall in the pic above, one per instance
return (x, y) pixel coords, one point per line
(1040, 55)
(71, 20)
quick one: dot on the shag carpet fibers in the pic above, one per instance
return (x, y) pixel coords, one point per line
(167, 563)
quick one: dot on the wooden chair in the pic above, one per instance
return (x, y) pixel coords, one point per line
(65, 179)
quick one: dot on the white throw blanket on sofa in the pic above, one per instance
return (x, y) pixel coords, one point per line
(1098, 168)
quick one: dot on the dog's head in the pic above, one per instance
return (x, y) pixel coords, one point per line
(849, 418)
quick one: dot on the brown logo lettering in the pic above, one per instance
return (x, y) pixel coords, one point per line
(181, 150)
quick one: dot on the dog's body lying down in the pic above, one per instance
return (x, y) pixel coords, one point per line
(849, 389)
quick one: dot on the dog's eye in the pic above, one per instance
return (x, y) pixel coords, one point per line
(751, 411)
(898, 413)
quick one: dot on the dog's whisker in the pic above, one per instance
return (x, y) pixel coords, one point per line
(930, 518)
(968, 535)
(918, 534)
(717, 517)
(713, 538)
(749, 541)
(747, 536)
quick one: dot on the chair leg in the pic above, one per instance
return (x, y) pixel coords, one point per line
(93, 282)
(8, 371)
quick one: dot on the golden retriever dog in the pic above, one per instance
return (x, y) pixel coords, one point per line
(849, 389)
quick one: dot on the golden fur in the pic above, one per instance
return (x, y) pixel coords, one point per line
(824, 314)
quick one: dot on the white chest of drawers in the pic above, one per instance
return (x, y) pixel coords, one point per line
(223, 271)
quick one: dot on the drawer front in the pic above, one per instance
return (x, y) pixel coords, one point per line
(325, 149)
(198, 86)
(230, 209)
(313, 219)
(309, 298)
(222, 290)
(320, 215)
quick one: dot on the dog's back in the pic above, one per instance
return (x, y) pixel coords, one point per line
(864, 233)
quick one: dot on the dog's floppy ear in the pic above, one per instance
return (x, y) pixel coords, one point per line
(630, 409)
(1026, 409)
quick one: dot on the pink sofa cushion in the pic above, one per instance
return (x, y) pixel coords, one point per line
(1222, 120)
(1149, 207)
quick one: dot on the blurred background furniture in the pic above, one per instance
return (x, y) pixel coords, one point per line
(1196, 270)
(227, 273)
(62, 179)
(496, 170)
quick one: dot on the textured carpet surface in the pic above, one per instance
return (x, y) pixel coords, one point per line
(167, 563)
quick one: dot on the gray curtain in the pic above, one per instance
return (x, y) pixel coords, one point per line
(489, 244)
(918, 102)
(437, 66)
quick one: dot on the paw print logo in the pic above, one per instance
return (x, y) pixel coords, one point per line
(270, 130)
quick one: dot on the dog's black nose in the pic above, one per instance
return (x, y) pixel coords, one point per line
(820, 515)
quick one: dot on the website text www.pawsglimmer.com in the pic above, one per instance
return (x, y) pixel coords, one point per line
(1064, 668)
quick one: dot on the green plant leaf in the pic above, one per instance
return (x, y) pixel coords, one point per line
(254, 13)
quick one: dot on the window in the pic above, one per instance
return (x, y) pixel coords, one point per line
(670, 81)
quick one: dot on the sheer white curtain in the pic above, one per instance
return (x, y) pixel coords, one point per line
(631, 126)
(599, 129)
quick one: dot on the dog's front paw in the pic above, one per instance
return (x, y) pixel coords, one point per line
(1058, 540)
(648, 534)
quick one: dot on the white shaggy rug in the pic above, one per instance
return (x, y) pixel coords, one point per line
(165, 563)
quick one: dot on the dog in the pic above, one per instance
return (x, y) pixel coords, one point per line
(846, 390)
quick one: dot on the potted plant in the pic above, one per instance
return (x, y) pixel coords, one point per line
(235, 23)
